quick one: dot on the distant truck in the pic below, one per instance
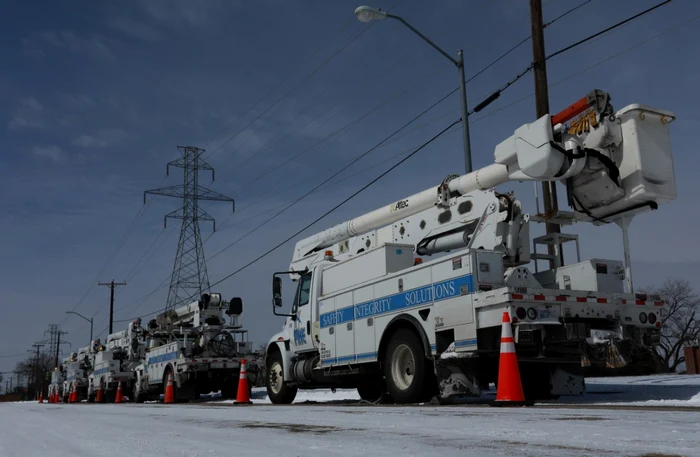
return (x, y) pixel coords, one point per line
(78, 367)
(116, 361)
(195, 345)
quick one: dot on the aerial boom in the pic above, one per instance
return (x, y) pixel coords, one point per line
(613, 165)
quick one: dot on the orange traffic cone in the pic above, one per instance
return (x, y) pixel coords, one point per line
(119, 398)
(76, 399)
(243, 394)
(169, 390)
(70, 394)
(100, 397)
(510, 387)
(41, 397)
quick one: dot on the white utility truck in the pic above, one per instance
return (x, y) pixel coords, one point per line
(116, 361)
(57, 378)
(197, 346)
(370, 313)
(78, 367)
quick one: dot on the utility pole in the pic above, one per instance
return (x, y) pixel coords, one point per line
(37, 371)
(549, 189)
(111, 285)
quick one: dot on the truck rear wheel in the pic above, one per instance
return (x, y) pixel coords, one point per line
(405, 367)
(279, 392)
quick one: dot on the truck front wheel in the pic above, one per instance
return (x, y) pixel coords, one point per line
(278, 391)
(405, 367)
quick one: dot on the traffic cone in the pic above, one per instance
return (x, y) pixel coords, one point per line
(74, 394)
(70, 394)
(119, 398)
(510, 388)
(243, 395)
(41, 397)
(100, 397)
(169, 390)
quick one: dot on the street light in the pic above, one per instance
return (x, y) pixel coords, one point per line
(89, 320)
(367, 14)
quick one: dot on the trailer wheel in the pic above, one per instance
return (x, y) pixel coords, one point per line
(405, 367)
(278, 391)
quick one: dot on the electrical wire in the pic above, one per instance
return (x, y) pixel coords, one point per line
(519, 76)
(295, 88)
(279, 84)
(355, 160)
(612, 27)
(260, 257)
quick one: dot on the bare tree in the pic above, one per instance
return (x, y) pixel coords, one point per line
(35, 370)
(678, 320)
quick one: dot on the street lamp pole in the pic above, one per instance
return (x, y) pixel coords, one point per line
(89, 320)
(367, 14)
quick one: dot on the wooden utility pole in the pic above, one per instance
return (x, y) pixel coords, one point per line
(111, 285)
(549, 189)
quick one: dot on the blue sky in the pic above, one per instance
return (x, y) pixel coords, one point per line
(95, 96)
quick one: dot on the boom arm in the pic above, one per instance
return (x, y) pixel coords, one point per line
(613, 165)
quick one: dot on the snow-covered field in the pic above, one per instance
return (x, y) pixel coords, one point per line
(346, 429)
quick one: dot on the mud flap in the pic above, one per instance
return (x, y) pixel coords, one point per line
(453, 381)
(565, 383)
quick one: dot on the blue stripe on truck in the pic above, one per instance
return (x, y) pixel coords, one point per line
(416, 297)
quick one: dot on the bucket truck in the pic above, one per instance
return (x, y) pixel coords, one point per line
(57, 378)
(78, 367)
(116, 361)
(197, 347)
(370, 313)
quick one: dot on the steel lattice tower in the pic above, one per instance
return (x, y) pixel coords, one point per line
(190, 278)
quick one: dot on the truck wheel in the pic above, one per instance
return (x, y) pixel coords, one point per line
(405, 367)
(278, 391)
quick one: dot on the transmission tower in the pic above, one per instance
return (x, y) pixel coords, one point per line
(190, 278)
(54, 341)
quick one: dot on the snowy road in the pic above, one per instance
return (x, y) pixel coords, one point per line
(33, 430)
(221, 429)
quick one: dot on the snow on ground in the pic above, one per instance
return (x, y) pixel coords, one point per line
(323, 423)
(206, 430)
(656, 390)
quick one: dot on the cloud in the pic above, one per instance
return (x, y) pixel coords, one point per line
(94, 45)
(51, 152)
(178, 13)
(101, 139)
(29, 114)
(136, 29)
(87, 141)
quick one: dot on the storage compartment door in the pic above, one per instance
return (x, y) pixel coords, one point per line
(344, 329)
(365, 309)
(327, 321)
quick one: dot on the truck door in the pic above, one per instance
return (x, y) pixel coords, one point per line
(301, 308)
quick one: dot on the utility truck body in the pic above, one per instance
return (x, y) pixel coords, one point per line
(78, 367)
(197, 347)
(370, 314)
(116, 361)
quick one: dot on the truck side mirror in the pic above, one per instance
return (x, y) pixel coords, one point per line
(277, 291)
(235, 307)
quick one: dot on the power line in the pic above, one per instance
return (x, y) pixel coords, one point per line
(295, 88)
(385, 140)
(631, 18)
(547, 24)
(277, 86)
(479, 107)
(339, 204)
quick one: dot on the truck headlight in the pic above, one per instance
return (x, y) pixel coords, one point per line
(532, 313)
